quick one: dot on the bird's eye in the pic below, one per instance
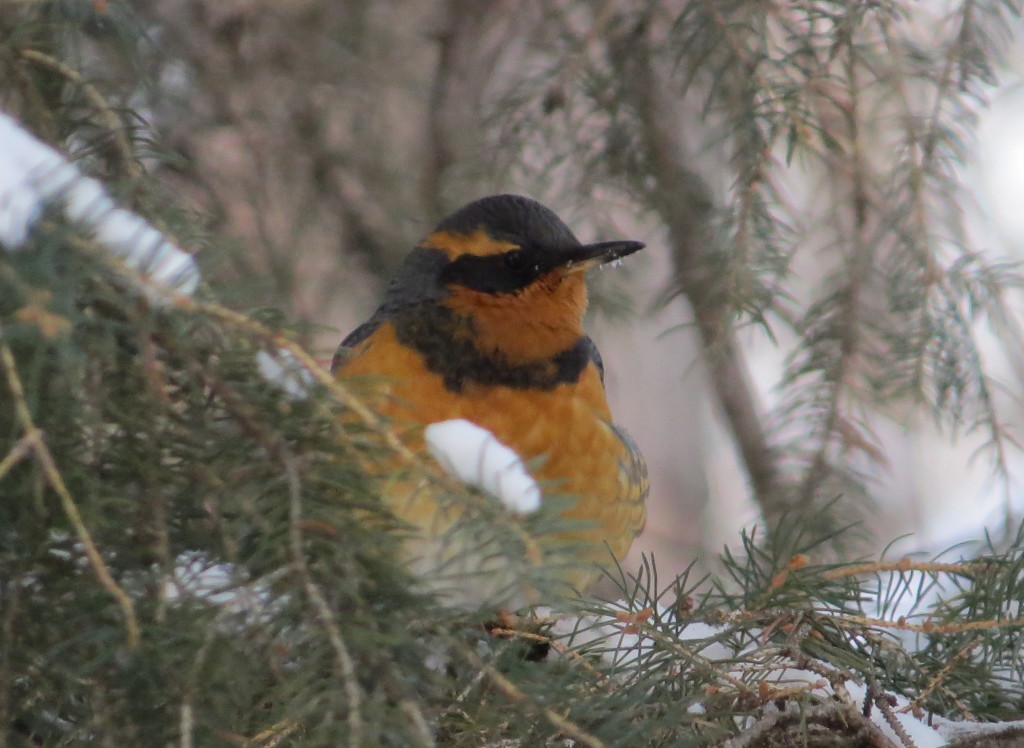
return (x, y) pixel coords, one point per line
(515, 260)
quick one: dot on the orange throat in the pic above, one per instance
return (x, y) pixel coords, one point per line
(537, 323)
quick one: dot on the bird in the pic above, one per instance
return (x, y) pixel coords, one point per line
(483, 323)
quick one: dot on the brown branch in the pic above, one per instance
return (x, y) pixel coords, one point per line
(565, 726)
(111, 120)
(53, 476)
(16, 454)
(926, 627)
(915, 705)
(903, 565)
(685, 204)
(346, 665)
(473, 35)
(859, 266)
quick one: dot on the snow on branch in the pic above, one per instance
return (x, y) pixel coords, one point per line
(475, 456)
(33, 175)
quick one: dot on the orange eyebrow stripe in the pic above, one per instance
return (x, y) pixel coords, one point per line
(478, 243)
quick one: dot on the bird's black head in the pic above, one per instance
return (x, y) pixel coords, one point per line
(503, 243)
(504, 267)
(498, 246)
(511, 218)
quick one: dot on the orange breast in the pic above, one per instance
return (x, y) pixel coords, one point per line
(568, 425)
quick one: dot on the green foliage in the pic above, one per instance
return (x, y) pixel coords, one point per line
(243, 528)
(772, 140)
(191, 556)
(215, 504)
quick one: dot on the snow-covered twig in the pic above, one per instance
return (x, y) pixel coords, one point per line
(33, 175)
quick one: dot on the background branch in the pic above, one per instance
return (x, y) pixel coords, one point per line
(685, 203)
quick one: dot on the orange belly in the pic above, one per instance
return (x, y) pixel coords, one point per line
(567, 427)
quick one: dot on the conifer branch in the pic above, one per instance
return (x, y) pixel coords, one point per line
(256, 552)
(565, 726)
(838, 372)
(903, 565)
(532, 551)
(53, 476)
(884, 704)
(345, 664)
(917, 704)
(928, 627)
(713, 669)
(186, 719)
(111, 120)
(683, 200)
(15, 454)
(341, 393)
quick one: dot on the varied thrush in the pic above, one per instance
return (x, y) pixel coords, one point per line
(484, 322)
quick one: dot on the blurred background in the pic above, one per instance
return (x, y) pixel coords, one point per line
(825, 326)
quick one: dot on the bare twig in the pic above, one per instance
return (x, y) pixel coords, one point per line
(343, 659)
(903, 565)
(884, 702)
(566, 727)
(16, 454)
(940, 676)
(927, 627)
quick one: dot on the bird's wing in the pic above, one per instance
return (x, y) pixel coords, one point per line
(595, 356)
(633, 484)
(414, 283)
(354, 338)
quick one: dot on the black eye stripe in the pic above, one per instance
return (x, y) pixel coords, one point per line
(516, 259)
(507, 272)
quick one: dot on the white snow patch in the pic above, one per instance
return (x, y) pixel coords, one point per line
(952, 730)
(922, 735)
(286, 371)
(33, 174)
(476, 457)
(611, 638)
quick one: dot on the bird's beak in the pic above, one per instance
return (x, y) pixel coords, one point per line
(581, 259)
